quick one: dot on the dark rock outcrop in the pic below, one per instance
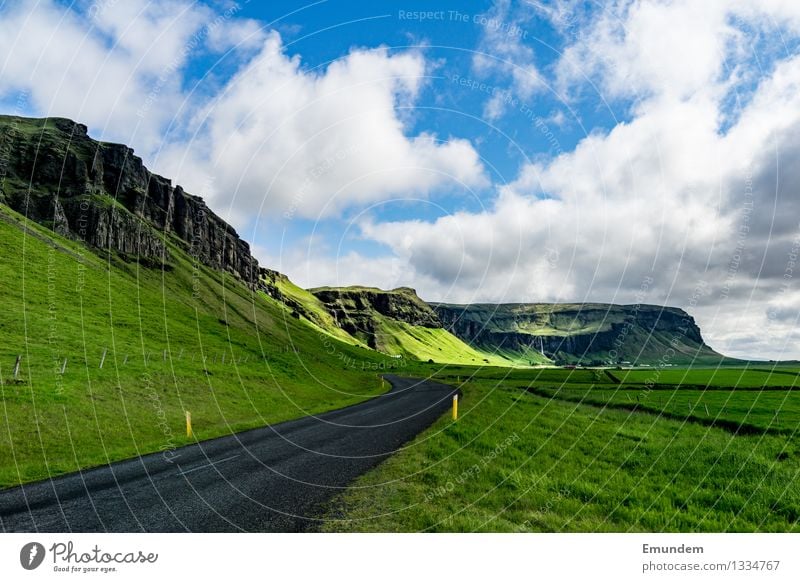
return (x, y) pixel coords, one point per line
(355, 309)
(102, 193)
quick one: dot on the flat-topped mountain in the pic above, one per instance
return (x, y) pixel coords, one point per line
(588, 333)
(353, 307)
(520, 333)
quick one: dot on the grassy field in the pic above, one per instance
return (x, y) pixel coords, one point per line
(541, 449)
(744, 399)
(750, 411)
(522, 461)
(713, 377)
(185, 338)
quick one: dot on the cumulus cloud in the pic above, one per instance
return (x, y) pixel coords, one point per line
(309, 265)
(273, 138)
(637, 49)
(65, 60)
(283, 140)
(697, 187)
(709, 210)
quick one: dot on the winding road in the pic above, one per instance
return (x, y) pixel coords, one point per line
(276, 478)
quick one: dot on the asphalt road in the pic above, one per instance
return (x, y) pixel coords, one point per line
(274, 478)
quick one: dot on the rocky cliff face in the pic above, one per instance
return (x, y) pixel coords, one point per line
(101, 193)
(588, 333)
(355, 309)
(271, 282)
(565, 333)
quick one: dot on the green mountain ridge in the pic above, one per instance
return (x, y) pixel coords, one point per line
(101, 194)
(399, 323)
(590, 333)
(112, 353)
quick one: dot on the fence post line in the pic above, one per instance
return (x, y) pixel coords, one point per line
(455, 406)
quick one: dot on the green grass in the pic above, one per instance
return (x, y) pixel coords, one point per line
(316, 311)
(750, 400)
(423, 343)
(516, 461)
(547, 376)
(711, 377)
(62, 301)
(742, 410)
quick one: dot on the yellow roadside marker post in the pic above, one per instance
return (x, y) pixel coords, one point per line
(455, 406)
(188, 424)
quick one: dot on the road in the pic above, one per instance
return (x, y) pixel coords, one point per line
(275, 478)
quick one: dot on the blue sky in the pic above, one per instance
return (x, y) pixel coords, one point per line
(513, 150)
(452, 100)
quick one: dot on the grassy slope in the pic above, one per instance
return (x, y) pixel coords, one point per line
(439, 345)
(517, 461)
(62, 301)
(319, 316)
(396, 337)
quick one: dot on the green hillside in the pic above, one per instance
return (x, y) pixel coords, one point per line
(303, 304)
(399, 323)
(185, 337)
(423, 343)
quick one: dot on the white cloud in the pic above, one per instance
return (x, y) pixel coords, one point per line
(274, 138)
(236, 34)
(637, 49)
(503, 52)
(669, 194)
(115, 66)
(689, 189)
(280, 139)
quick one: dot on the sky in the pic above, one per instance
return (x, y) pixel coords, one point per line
(506, 151)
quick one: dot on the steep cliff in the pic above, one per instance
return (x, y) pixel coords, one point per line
(101, 193)
(585, 333)
(354, 309)
(399, 323)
